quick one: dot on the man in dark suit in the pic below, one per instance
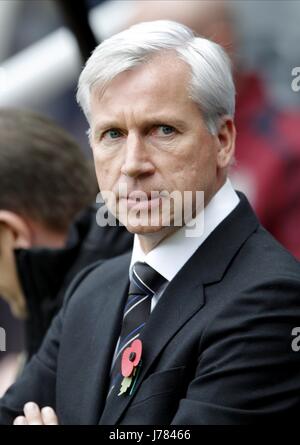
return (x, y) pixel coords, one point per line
(194, 326)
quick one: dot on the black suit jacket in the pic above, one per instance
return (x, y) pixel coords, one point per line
(217, 347)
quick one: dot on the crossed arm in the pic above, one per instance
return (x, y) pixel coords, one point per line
(33, 415)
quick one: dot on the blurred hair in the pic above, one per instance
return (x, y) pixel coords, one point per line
(43, 173)
(211, 85)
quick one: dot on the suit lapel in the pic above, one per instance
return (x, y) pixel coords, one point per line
(98, 348)
(184, 296)
(178, 304)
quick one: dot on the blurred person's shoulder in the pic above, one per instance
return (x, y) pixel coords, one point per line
(255, 102)
(289, 122)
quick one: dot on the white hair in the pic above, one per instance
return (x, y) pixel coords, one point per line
(211, 85)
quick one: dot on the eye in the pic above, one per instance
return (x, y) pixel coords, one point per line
(112, 133)
(165, 130)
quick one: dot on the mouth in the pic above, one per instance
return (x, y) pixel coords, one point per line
(140, 195)
(141, 201)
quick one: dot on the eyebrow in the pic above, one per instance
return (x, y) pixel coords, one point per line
(146, 123)
(103, 125)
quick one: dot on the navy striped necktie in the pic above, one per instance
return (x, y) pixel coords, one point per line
(144, 284)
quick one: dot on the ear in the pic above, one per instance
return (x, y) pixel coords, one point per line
(20, 230)
(226, 142)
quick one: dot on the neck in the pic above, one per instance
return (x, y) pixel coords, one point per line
(151, 240)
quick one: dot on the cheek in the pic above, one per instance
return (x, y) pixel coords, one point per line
(99, 167)
(195, 172)
(106, 170)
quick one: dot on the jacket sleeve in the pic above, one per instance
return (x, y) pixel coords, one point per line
(247, 370)
(37, 383)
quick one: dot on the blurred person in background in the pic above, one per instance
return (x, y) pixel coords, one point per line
(267, 166)
(38, 202)
(45, 184)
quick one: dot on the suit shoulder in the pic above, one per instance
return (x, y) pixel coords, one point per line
(261, 285)
(261, 275)
(267, 257)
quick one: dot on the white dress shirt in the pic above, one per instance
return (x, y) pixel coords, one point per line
(170, 255)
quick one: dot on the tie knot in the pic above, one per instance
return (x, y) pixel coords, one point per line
(145, 279)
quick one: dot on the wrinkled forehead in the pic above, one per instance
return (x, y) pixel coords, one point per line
(148, 95)
(164, 69)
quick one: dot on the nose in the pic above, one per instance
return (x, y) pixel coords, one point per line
(136, 159)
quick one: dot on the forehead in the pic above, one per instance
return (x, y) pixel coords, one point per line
(158, 85)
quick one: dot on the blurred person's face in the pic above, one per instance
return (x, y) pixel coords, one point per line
(147, 134)
(10, 288)
(213, 19)
(19, 233)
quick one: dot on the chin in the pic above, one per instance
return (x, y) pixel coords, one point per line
(143, 230)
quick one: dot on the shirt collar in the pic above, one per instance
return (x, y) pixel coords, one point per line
(169, 256)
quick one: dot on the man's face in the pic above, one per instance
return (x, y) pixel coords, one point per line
(147, 134)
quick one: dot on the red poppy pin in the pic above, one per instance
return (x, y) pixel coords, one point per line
(130, 365)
